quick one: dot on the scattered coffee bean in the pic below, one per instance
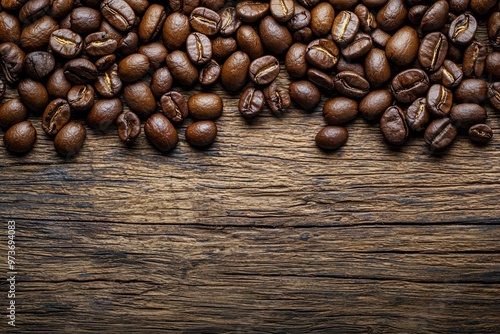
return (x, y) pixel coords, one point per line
(201, 133)
(418, 115)
(466, 115)
(472, 91)
(439, 100)
(351, 84)
(480, 133)
(251, 102)
(205, 106)
(70, 139)
(264, 70)
(331, 137)
(140, 99)
(174, 106)
(277, 98)
(56, 115)
(81, 97)
(129, 127)
(340, 110)
(440, 133)
(104, 113)
(20, 137)
(305, 94)
(373, 105)
(12, 112)
(393, 126)
(161, 133)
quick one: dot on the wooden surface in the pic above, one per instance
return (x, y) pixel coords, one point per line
(262, 232)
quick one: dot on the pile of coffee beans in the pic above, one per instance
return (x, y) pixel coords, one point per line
(411, 65)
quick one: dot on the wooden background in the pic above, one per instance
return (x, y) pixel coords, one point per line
(262, 232)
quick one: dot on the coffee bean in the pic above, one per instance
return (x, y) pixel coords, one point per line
(344, 4)
(481, 7)
(305, 94)
(104, 113)
(377, 67)
(175, 31)
(251, 102)
(140, 99)
(343, 65)
(402, 47)
(10, 28)
(201, 133)
(133, 67)
(33, 94)
(66, 43)
(56, 115)
(128, 44)
(463, 29)
(472, 91)
(459, 6)
(251, 11)
(452, 74)
(439, 100)
(409, 84)
(282, 10)
(20, 137)
(340, 110)
(184, 6)
(235, 71)
(277, 98)
(205, 106)
(249, 42)
(418, 115)
(494, 95)
(440, 133)
(118, 13)
(156, 53)
(36, 36)
(99, 44)
(161, 133)
(84, 20)
(392, 15)
(275, 37)
(393, 126)
(322, 16)
(331, 137)
(432, 51)
(104, 63)
(213, 4)
(199, 48)
(38, 64)
(129, 127)
(181, 68)
(230, 22)
(295, 60)
(435, 17)
(152, 23)
(367, 21)
(361, 45)
(466, 115)
(70, 139)
(81, 97)
(80, 71)
(321, 79)
(322, 53)
(300, 19)
(380, 38)
(11, 62)
(264, 70)
(12, 112)
(174, 106)
(480, 133)
(345, 27)
(109, 84)
(416, 13)
(373, 105)
(492, 64)
(222, 48)
(210, 73)
(205, 20)
(351, 84)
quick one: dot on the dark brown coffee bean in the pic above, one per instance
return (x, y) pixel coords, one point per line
(66, 43)
(10, 28)
(392, 15)
(417, 115)
(251, 102)
(416, 13)
(472, 91)
(80, 71)
(393, 126)
(451, 74)
(210, 73)
(367, 21)
(264, 70)
(56, 115)
(345, 27)
(439, 100)
(380, 38)
(304, 35)
(466, 115)
(110, 30)
(181, 68)
(402, 47)
(36, 36)
(161, 82)
(492, 64)
(81, 97)
(463, 29)
(249, 42)
(481, 7)
(373, 105)
(156, 53)
(223, 48)
(377, 67)
(409, 84)
(251, 11)
(201, 133)
(139, 6)
(340, 110)
(133, 67)
(322, 17)
(152, 23)
(175, 31)
(440, 133)
(70, 139)
(205, 106)
(275, 37)
(494, 95)
(435, 17)
(351, 84)
(109, 84)
(230, 22)
(321, 79)
(235, 71)
(305, 94)
(33, 94)
(300, 19)
(295, 60)
(282, 10)
(119, 14)
(322, 53)
(493, 30)
(104, 63)
(459, 6)
(39, 64)
(474, 59)
(84, 20)
(99, 44)
(174, 106)
(57, 84)
(432, 51)
(11, 62)
(129, 127)
(199, 48)
(361, 45)
(331, 137)
(128, 44)
(12, 112)
(480, 133)
(20, 138)
(184, 6)
(277, 98)
(161, 133)
(213, 4)
(104, 113)
(343, 65)
(140, 99)
(205, 20)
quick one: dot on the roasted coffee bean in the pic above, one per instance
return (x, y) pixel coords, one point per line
(481, 7)
(304, 35)
(139, 6)
(60, 8)
(282, 10)
(12, 112)
(494, 95)
(119, 14)
(451, 74)
(36, 36)
(222, 48)
(99, 44)
(128, 44)
(295, 60)
(322, 17)
(104, 63)
(309, 3)
(184, 6)
(210, 73)
(305, 94)
(393, 126)
(440, 133)
(11, 62)
(277, 98)
(251, 11)
(133, 67)
(367, 21)
(230, 22)
(361, 45)
(463, 29)
(156, 53)
(472, 91)
(104, 113)
(343, 65)
(392, 15)
(174, 106)
(345, 27)
(12, 4)
(70, 139)
(380, 38)
(418, 115)
(300, 19)
(205, 106)
(80, 71)
(161, 82)
(340, 110)
(152, 23)
(38, 64)
(321, 79)
(84, 20)
(466, 115)
(409, 84)
(351, 84)
(251, 102)
(235, 71)
(110, 30)
(175, 31)
(416, 13)
(480, 133)
(249, 42)
(201, 133)
(322, 53)
(432, 51)
(199, 48)
(109, 84)
(492, 64)
(81, 97)
(57, 84)
(33, 94)
(205, 20)
(275, 37)
(20, 138)
(181, 68)
(264, 70)
(56, 115)
(129, 127)
(458, 6)
(474, 59)
(493, 30)
(161, 133)
(435, 17)
(402, 47)
(66, 43)
(213, 4)
(140, 99)
(377, 67)
(331, 137)
(10, 28)
(439, 100)
(373, 105)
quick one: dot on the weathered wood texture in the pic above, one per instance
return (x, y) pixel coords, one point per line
(262, 232)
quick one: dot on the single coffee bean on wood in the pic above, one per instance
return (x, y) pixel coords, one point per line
(251, 102)
(331, 137)
(393, 126)
(440, 133)
(56, 116)
(12, 112)
(480, 133)
(340, 110)
(174, 106)
(161, 133)
(129, 127)
(20, 138)
(201, 133)
(204, 106)
(305, 94)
